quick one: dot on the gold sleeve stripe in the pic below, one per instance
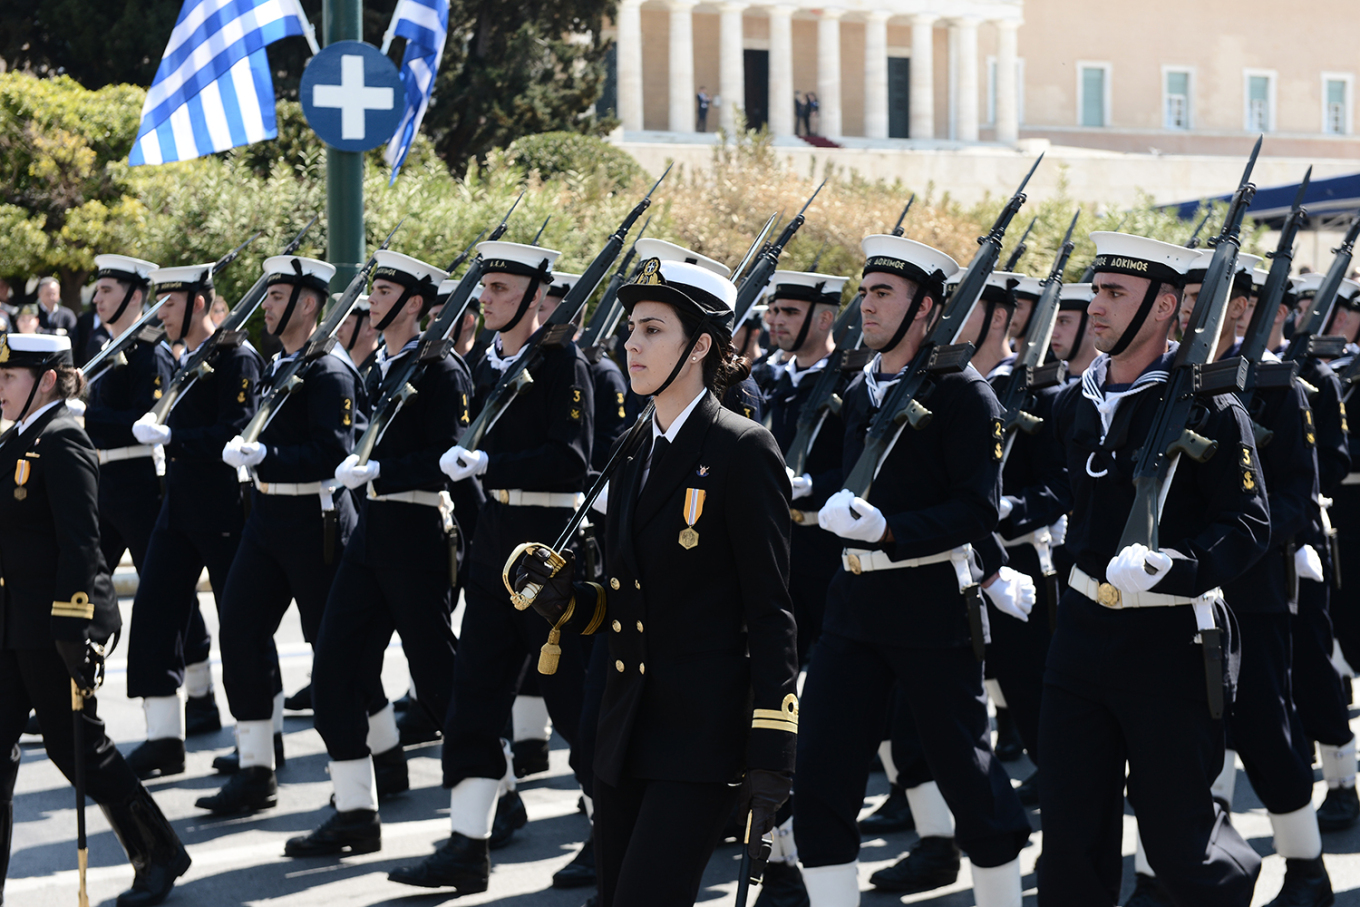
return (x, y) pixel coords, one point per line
(772, 725)
(79, 606)
(598, 617)
(781, 719)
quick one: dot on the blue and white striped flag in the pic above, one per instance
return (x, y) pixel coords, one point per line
(213, 89)
(425, 26)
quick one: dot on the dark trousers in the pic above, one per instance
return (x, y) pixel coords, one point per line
(1018, 650)
(847, 690)
(496, 639)
(159, 644)
(653, 839)
(1319, 697)
(1345, 604)
(1174, 752)
(592, 693)
(37, 679)
(364, 607)
(808, 594)
(1264, 728)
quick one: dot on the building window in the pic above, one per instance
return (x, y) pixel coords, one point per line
(1176, 103)
(1336, 103)
(1259, 92)
(1019, 90)
(1093, 94)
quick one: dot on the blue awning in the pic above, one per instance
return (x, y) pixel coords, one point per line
(1332, 197)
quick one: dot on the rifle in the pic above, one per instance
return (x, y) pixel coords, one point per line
(757, 245)
(1193, 241)
(231, 333)
(1193, 373)
(112, 354)
(1306, 341)
(1022, 247)
(465, 254)
(825, 397)
(605, 318)
(765, 264)
(539, 234)
(897, 228)
(817, 259)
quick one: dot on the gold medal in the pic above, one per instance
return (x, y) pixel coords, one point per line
(688, 537)
(694, 506)
(20, 493)
(22, 469)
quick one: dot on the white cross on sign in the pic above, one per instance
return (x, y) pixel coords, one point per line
(352, 97)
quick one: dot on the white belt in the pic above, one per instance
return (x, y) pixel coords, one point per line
(518, 497)
(423, 498)
(1352, 479)
(288, 489)
(1041, 539)
(804, 517)
(861, 560)
(136, 452)
(1108, 596)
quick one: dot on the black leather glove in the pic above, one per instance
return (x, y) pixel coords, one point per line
(762, 793)
(556, 591)
(84, 662)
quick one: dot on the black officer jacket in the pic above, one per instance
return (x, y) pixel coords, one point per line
(55, 584)
(611, 412)
(697, 637)
(203, 493)
(938, 488)
(317, 424)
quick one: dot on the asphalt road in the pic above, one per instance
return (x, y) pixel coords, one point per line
(240, 860)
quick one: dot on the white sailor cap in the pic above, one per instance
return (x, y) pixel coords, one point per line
(411, 273)
(294, 269)
(562, 282)
(808, 286)
(1030, 287)
(1258, 279)
(124, 268)
(907, 258)
(1348, 294)
(1248, 263)
(1138, 256)
(1308, 284)
(517, 258)
(446, 288)
(998, 286)
(1075, 297)
(685, 286)
(360, 305)
(186, 277)
(34, 350)
(669, 251)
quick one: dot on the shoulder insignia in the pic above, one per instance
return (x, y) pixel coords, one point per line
(346, 412)
(156, 383)
(574, 410)
(623, 413)
(467, 415)
(1309, 433)
(1344, 427)
(1248, 468)
(245, 386)
(998, 441)
(747, 410)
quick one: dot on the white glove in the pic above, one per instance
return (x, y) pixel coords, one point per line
(802, 485)
(350, 474)
(835, 517)
(458, 463)
(232, 454)
(601, 503)
(146, 431)
(1307, 564)
(1013, 593)
(1005, 507)
(1128, 570)
(76, 406)
(1059, 531)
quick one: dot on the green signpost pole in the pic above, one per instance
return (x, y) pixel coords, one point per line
(342, 20)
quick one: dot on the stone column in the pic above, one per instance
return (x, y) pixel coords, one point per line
(781, 70)
(682, 94)
(1007, 87)
(731, 64)
(829, 71)
(922, 72)
(966, 103)
(876, 74)
(630, 64)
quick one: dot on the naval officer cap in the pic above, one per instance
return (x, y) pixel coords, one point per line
(42, 351)
(190, 278)
(688, 287)
(1075, 297)
(124, 268)
(908, 259)
(415, 275)
(562, 282)
(534, 262)
(311, 273)
(669, 251)
(1138, 256)
(808, 286)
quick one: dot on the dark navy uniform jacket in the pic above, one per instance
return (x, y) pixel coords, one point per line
(1035, 466)
(317, 424)
(938, 489)
(122, 396)
(1333, 448)
(55, 582)
(611, 410)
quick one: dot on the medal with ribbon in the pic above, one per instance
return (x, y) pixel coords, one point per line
(694, 507)
(22, 468)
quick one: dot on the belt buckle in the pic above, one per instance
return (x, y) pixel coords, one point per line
(503, 495)
(796, 515)
(263, 486)
(852, 560)
(1109, 597)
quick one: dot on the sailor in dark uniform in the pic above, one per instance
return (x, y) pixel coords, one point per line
(1072, 341)
(199, 523)
(936, 494)
(702, 678)
(397, 569)
(533, 463)
(358, 337)
(58, 609)
(1126, 678)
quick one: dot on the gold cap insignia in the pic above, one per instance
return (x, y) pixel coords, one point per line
(4, 347)
(651, 274)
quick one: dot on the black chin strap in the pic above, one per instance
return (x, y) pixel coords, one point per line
(32, 392)
(292, 300)
(122, 307)
(193, 293)
(359, 326)
(907, 319)
(699, 331)
(523, 309)
(1136, 324)
(1080, 335)
(807, 323)
(420, 289)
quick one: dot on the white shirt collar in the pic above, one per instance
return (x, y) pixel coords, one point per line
(28, 420)
(796, 374)
(385, 360)
(670, 433)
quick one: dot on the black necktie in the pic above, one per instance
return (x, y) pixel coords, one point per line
(659, 447)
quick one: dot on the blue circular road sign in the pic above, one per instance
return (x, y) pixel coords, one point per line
(352, 96)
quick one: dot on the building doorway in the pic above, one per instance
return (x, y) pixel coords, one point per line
(757, 71)
(899, 97)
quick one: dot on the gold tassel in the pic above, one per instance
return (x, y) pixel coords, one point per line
(551, 653)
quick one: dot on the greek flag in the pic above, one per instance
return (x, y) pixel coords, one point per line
(425, 26)
(213, 89)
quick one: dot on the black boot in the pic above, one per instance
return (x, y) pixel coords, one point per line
(416, 727)
(157, 758)
(1148, 892)
(893, 815)
(230, 764)
(932, 863)
(402, 704)
(461, 863)
(1009, 746)
(580, 872)
(1028, 792)
(1306, 884)
(390, 773)
(510, 816)
(157, 856)
(352, 832)
(1340, 810)
(301, 701)
(782, 887)
(531, 757)
(247, 790)
(201, 715)
(33, 729)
